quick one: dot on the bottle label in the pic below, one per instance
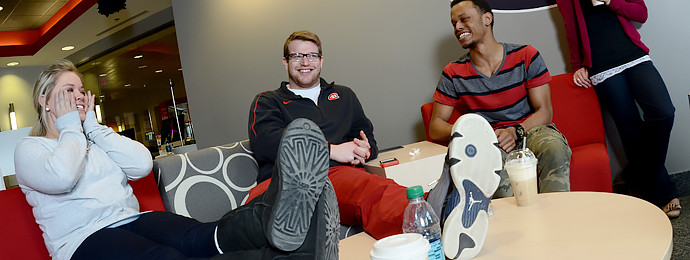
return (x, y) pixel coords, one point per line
(436, 250)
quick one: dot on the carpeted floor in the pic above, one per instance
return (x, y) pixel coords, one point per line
(681, 231)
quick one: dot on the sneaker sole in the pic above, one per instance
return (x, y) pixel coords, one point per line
(303, 168)
(329, 225)
(472, 150)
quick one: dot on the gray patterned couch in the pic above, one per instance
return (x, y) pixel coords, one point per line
(207, 183)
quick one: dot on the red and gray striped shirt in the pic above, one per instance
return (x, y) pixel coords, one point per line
(502, 98)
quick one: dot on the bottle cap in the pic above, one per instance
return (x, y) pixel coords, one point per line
(415, 192)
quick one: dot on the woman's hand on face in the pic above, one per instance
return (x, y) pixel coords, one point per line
(581, 78)
(89, 101)
(64, 103)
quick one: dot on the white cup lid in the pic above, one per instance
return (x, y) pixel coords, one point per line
(409, 246)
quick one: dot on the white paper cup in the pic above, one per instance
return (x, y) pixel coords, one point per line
(409, 246)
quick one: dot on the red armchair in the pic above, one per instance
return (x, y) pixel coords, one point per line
(20, 236)
(577, 115)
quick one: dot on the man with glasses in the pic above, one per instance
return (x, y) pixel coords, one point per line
(365, 199)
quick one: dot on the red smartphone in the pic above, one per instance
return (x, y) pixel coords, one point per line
(389, 162)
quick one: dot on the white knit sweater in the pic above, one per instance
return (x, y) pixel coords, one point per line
(77, 184)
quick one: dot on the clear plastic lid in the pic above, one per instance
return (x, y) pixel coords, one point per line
(521, 157)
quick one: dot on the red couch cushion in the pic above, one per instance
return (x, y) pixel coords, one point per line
(146, 191)
(20, 236)
(589, 168)
(576, 111)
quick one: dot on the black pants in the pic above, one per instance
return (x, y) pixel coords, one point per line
(165, 235)
(155, 235)
(645, 139)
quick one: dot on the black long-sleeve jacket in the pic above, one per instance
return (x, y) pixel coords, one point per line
(339, 115)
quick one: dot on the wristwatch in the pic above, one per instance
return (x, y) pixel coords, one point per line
(519, 131)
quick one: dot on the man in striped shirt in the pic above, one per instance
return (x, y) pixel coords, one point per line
(507, 84)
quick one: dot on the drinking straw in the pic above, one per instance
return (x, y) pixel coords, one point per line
(524, 142)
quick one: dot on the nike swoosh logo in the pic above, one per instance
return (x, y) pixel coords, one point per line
(286, 102)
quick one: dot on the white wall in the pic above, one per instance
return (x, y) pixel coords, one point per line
(16, 85)
(390, 52)
(9, 140)
(667, 34)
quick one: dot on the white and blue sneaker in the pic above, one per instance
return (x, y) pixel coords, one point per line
(474, 160)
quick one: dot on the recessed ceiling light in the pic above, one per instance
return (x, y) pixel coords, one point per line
(12, 64)
(142, 66)
(103, 75)
(68, 48)
(128, 85)
(159, 71)
(139, 56)
(1, 8)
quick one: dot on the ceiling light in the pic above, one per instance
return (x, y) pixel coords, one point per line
(68, 48)
(0, 8)
(103, 75)
(159, 71)
(128, 85)
(12, 64)
(139, 56)
(142, 66)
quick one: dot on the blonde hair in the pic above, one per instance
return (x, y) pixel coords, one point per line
(45, 83)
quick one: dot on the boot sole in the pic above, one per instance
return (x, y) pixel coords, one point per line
(475, 160)
(303, 168)
(328, 217)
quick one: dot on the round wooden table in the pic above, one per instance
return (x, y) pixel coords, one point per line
(565, 225)
(578, 225)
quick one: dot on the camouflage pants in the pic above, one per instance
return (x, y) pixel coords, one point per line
(553, 155)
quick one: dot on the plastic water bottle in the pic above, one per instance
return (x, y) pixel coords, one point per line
(420, 218)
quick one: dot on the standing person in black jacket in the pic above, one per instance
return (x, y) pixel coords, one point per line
(374, 202)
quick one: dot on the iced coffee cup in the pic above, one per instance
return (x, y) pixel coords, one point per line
(521, 165)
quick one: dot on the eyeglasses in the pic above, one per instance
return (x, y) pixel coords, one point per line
(297, 57)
